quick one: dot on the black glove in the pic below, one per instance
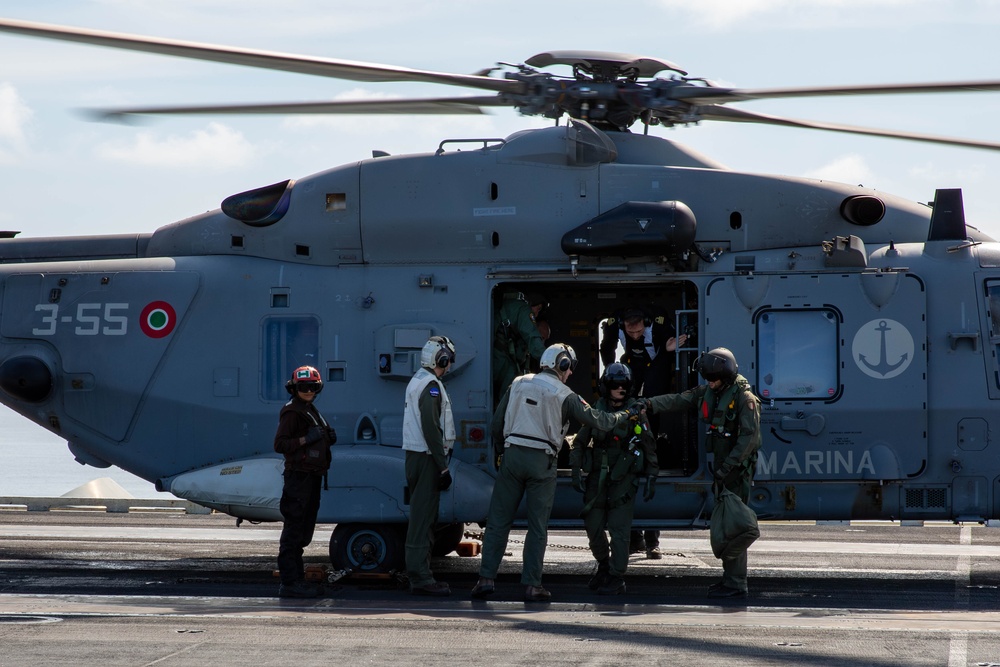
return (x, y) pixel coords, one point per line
(578, 481)
(725, 474)
(445, 481)
(331, 435)
(650, 489)
(314, 434)
(636, 409)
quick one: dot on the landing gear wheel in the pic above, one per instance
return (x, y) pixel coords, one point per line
(446, 538)
(367, 547)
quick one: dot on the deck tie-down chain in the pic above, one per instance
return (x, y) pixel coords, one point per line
(572, 547)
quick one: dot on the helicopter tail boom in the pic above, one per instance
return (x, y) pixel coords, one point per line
(112, 246)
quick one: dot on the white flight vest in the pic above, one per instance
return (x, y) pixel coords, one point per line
(647, 340)
(534, 412)
(413, 435)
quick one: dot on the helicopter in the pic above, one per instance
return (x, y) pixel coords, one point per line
(844, 305)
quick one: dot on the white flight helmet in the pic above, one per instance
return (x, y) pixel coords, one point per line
(559, 357)
(438, 352)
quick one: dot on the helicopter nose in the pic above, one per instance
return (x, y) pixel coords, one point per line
(26, 378)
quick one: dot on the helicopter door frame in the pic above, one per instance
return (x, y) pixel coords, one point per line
(990, 305)
(862, 351)
(575, 311)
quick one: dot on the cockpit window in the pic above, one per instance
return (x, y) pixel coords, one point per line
(797, 354)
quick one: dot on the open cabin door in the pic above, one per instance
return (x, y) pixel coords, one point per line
(839, 362)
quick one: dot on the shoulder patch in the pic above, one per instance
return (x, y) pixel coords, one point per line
(660, 320)
(583, 402)
(435, 391)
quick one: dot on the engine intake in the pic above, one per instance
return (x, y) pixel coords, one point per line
(260, 207)
(864, 210)
(26, 378)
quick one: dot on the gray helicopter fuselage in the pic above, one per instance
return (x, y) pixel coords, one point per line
(872, 349)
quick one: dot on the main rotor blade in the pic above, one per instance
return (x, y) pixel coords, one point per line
(441, 105)
(715, 95)
(328, 67)
(740, 116)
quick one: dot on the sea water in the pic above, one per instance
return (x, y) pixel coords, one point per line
(38, 464)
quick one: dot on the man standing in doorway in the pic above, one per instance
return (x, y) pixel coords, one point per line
(646, 338)
(517, 342)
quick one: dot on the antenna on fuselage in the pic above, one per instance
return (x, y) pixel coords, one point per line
(948, 218)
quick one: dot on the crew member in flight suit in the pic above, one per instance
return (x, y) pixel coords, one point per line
(428, 435)
(613, 461)
(531, 423)
(646, 336)
(517, 342)
(304, 437)
(727, 404)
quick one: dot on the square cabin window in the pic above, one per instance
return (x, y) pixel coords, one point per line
(797, 354)
(288, 342)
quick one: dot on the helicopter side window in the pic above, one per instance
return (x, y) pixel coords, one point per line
(797, 354)
(993, 297)
(288, 342)
(993, 303)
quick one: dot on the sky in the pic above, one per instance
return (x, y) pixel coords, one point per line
(63, 175)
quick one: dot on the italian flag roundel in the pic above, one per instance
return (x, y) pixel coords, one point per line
(158, 319)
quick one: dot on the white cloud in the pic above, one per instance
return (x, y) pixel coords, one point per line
(14, 117)
(419, 133)
(217, 147)
(971, 172)
(307, 121)
(819, 14)
(850, 169)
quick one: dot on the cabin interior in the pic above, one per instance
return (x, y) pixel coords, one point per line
(575, 311)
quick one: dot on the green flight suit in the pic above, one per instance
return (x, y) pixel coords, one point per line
(613, 461)
(423, 477)
(529, 473)
(517, 344)
(733, 418)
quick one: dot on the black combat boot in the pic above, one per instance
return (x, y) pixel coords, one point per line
(612, 586)
(601, 576)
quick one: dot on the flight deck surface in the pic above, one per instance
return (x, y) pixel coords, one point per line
(84, 587)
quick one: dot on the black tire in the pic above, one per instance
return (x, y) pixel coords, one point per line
(367, 547)
(446, 538)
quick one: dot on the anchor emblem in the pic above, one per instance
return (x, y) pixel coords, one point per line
(883, 367)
